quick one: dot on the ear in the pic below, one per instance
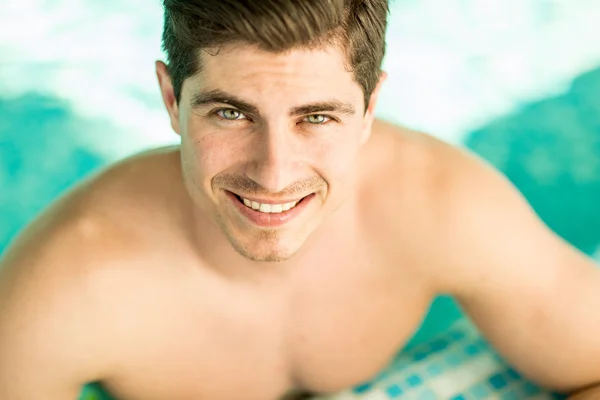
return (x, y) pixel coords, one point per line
(370, 112)
(168, 94)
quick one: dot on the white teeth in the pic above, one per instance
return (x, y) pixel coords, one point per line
(269, 208)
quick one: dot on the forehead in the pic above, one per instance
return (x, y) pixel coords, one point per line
(240, 66)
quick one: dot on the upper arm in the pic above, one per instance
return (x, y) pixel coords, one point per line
(533, 295)
(47, 346)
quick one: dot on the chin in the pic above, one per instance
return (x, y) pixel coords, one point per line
(266, 250)
(274, 257)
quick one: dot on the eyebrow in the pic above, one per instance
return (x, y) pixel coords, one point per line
(204, 98)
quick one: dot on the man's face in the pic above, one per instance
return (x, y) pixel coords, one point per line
(270, 143)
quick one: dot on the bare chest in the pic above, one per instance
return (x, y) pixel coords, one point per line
(323, 333)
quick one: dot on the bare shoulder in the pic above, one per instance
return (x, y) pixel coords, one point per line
(399, 171)
(446, 201)
(107, 213)
(144, 183)
(402, 169)
(102, 223)
(57, 306)
(49, 312)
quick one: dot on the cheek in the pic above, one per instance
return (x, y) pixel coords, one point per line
(211, 152)
(336, 158)
(207, 156)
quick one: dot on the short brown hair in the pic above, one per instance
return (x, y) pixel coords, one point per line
(359, 26)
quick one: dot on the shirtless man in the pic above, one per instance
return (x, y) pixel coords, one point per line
(161, 280)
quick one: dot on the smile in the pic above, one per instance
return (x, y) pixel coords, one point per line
(268, 208)
(269, 214)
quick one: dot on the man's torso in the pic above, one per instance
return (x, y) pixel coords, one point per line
(183, 330)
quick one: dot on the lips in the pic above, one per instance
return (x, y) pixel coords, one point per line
(269, 214)
(268, 208)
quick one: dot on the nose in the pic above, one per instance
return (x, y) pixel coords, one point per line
(274, 165)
